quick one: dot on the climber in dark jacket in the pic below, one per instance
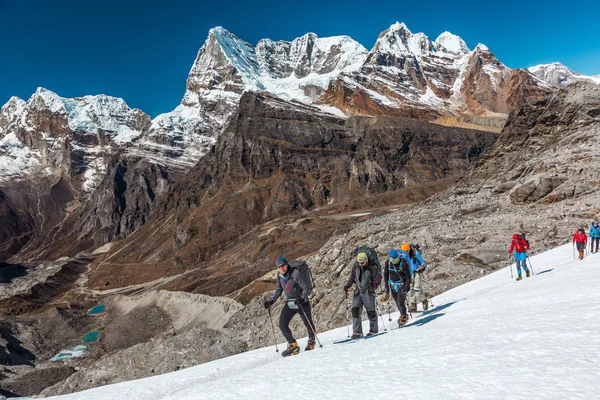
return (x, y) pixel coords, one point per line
(291, 282)
(364, 274)
(396, 275)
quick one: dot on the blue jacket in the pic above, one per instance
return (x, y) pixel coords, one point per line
(595, 232)
(415, 262)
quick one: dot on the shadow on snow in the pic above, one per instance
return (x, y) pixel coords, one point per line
(544, 271)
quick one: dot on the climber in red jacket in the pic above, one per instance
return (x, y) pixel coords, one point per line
(580, 240)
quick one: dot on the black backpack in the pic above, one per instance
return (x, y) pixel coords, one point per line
(373, 260)
(305, 271)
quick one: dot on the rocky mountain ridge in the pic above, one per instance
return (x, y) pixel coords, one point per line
(201, 200)
(463, 230)
(558, 75)
(404, 74)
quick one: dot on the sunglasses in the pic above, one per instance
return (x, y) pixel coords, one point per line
(281, 266)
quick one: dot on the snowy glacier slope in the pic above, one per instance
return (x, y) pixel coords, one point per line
(490, 338)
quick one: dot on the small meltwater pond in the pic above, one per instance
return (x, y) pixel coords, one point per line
(91, 337)
(97, 310)
(75, 352)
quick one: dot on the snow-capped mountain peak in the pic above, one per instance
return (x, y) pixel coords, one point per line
(240, 54)
(46, 99)
(558, 75)
(398, 40)
(45, 133)
(394, 41)
(419, 44)
(482, 48)
(399, 27)
(10, 112)
(451, 43)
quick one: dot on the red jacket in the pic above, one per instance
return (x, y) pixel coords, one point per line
(579, 237)
(518, 244)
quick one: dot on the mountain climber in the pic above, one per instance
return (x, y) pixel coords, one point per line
(366, 275)
(580, 240)
(396, 274)
(595, 236)
(520, 247)
(291, 282)
(417, 269)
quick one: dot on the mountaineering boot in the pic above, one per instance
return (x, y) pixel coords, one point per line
(291, 350)
(581, 255)
(371, 333)
(310, 345)
(402, 320)
(526, 274)
(425, 305)
(356, 335)
(412, 307)
(519, 278)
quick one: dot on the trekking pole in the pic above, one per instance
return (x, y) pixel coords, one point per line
(379, 312)
(389, 311)
(273, 327)
(311, 326)
(573, 251)
(530, 266)
(427, 283)
(347, 316)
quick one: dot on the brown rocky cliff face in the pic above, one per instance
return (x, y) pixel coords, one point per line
(491, 87)
(277, 159)
(547, 137)
(397, 85)
(18, 226)
(356, 101)
(123, 202)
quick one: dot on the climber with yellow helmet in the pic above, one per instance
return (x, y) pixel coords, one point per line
(366, 275)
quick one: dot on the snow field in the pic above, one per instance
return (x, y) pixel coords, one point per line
(488, 339)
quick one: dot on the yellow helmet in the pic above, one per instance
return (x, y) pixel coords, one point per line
(362, 257)
(405, 247)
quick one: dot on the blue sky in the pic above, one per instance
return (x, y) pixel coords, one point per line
(142, 50)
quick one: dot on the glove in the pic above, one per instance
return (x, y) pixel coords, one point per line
(268, 303)
(299, 301)
(385, 297)
(346, 288)
(406, 288)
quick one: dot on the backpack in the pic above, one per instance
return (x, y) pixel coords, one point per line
(305, 271)
(374, 261)
(522, 237)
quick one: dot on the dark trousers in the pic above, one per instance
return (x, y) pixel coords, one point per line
(580, 246)
(286, 316)
(597, 243)
(367, 300)
(400, 298)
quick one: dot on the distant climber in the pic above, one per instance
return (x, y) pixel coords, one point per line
(417, 269)
(580, 241)
(295, 285)
(396, 275)
(594, 236)
(366, 275)
(520, 247)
